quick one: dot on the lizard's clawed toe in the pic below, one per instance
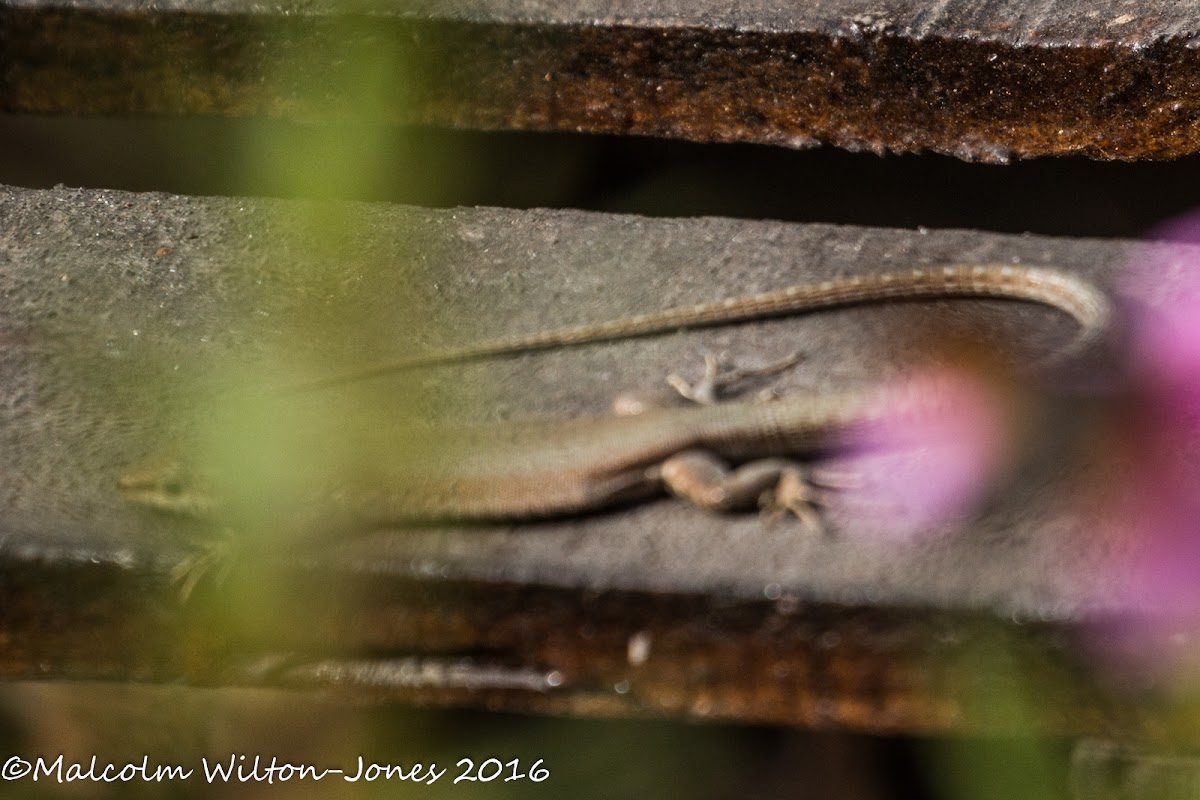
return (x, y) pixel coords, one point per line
(793, 494)
(719, 379)
(214, 558)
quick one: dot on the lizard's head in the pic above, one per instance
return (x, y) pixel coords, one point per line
(169, 486)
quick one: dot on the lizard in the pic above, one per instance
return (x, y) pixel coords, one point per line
(536, 468)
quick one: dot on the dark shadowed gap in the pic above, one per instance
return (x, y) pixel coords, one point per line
(442, 168)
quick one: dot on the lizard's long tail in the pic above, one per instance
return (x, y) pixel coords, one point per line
(1070, 294)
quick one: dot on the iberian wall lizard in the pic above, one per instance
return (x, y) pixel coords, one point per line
(548, 467)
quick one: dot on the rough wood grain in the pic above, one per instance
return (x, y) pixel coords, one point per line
(981, 79)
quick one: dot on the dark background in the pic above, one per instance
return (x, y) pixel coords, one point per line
(443, 168)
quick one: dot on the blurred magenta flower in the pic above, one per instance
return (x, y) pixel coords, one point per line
(939, 443)
(929, 452)
(1156, 571)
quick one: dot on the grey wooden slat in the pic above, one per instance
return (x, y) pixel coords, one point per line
(123, 314)
(980, 79)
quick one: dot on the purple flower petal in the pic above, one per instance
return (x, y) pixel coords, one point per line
(1159, 510)
(931, 454)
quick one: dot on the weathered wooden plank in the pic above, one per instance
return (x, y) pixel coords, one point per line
(980, 79)
(125, 318)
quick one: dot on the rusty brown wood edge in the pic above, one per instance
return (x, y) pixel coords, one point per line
(556, 650)
(983, 81)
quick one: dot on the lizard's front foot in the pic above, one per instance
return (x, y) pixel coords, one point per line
(213, 558)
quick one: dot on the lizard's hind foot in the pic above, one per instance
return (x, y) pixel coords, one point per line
(719, 379)
(794, 494)
(777, 485)
(717, 382)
